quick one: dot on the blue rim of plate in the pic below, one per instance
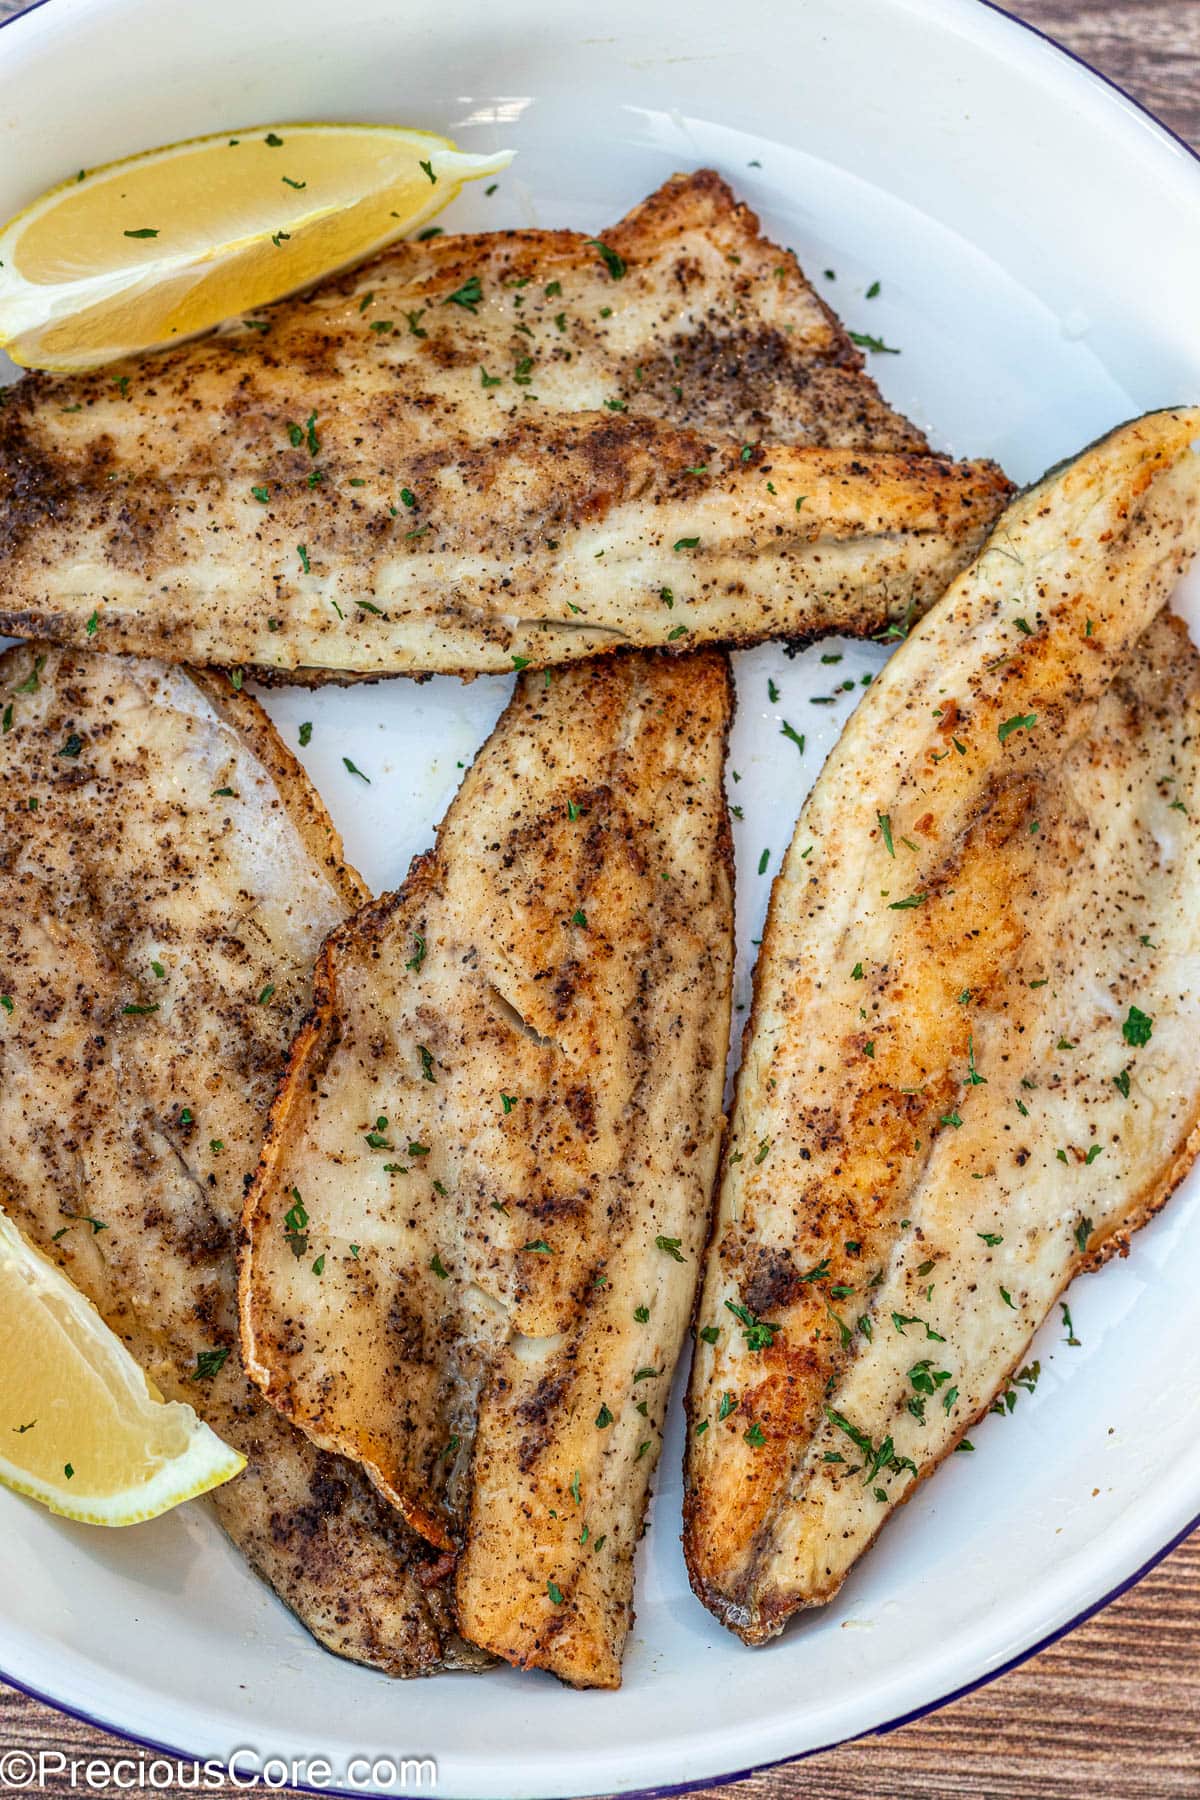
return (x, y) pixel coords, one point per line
(707, 1782)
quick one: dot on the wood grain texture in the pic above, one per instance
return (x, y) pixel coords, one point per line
(1114, 1709)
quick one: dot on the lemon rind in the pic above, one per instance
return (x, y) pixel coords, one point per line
(161, 1494)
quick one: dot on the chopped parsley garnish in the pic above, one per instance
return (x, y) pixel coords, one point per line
(885, 826)
(974, 1078)
(755, 1435)
(604, 1418)
(435, 1263)
(378, 1139)
(295, 1226)
(797, 737)
(356, 771)
(144, 231)
(902, 1320)
(758, 1333)
(612, 262)
(418, 956)
(209, 1363)
(865, 341)
(1138, 1028)
(467, 296)
(1018, 722)
(671, 1246)
(306, 734)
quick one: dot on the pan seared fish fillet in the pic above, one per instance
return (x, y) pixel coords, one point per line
(970, 1070)
(477, 450)
(496, 1144)
(166, 878)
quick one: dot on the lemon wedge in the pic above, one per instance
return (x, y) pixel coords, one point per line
(147, 251)
(81, 1427)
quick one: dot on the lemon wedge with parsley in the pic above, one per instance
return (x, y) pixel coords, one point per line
(81, 1427)
(147, 251)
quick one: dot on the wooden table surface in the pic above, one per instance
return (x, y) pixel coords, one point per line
(1114, 1709)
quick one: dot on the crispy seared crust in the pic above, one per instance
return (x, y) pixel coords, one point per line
(565, 950)
(456, 526)
(174, 831)
(853, 1082)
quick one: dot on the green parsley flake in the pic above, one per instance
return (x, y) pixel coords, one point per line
(1018, 722)
(612, 262)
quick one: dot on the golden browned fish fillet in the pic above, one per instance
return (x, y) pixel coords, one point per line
(473, 1241)
(484, 451)
(970, 1070)
(166, 877)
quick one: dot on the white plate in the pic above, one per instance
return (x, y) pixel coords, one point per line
(1037, 242)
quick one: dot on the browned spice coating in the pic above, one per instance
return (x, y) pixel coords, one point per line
(498, 1134)
(484, 449)
(166, 877)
